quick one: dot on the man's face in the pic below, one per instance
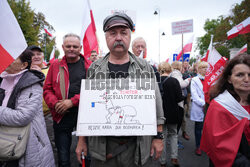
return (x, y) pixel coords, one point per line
(138, 47)
(38, 57)
(71, 47)
(93, 57)
(118, 39)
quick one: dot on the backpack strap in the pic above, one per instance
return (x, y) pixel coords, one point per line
(165, 80)
(161, 85)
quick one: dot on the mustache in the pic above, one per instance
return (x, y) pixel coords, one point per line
(118, 43)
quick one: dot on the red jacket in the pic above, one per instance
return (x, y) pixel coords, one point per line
(51, 88)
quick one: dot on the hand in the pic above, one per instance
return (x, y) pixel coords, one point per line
(35, 67)
(81, 147)
(63, 105)
(156, 148)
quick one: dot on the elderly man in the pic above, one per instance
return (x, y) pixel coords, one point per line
(61, 93)
(131, 151)
(139, 48)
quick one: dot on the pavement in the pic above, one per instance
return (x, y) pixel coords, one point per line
(187, 157)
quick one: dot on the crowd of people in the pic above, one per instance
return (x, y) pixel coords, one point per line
(30, 90)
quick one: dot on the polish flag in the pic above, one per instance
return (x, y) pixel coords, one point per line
(242, 50)
(52, 55)
(208, 50)
(12, 41)
(242, 28)
(187, 48)
(216, 66)
(224, 124)
(89, 31)
(47, 32)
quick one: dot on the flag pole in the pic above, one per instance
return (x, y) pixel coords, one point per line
(45, 46)
(182, 46)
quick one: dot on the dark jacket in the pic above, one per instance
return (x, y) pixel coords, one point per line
(172, 95)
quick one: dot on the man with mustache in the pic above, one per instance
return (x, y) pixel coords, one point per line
(129, 151)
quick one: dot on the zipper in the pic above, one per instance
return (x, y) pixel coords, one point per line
(13, 150)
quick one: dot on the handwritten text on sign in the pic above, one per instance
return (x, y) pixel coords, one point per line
(129, 111)
(182, 27)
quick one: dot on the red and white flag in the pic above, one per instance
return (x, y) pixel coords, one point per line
(52, 55)
(208, 50)
(242, 50)
(47, 32)
(12, 41)
(89, 31)
(216, 66)
(242, 28)
(225, 122)
(187, 48)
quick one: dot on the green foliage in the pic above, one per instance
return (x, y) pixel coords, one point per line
(219, 28)
(32, 25)
(192, 60)
(224, 51)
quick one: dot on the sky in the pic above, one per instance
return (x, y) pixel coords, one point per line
(66, 16)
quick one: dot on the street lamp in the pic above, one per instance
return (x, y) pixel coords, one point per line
(157, 12)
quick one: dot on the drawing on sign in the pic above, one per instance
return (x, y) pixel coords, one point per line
(116, 110)
(118, 114)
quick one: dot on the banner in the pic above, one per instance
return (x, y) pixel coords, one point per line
(216, 66)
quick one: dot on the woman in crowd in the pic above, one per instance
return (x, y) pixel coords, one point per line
(226, 131)
(171, 96)
(176, 73)
(22, 105)
(198, 102)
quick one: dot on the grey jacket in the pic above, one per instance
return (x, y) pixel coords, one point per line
(97, 145)
(27, 100)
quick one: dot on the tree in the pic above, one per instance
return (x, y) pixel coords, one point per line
(32, 25)
(219, 28)
(192, 60)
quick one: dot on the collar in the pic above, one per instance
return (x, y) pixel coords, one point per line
(7, 75)
(201, 77)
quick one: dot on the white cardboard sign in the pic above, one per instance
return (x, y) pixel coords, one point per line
(116, 111)
(182, 27)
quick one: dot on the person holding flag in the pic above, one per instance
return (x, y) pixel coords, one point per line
(226, 131)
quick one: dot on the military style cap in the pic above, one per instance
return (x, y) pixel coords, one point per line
(117, 19)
